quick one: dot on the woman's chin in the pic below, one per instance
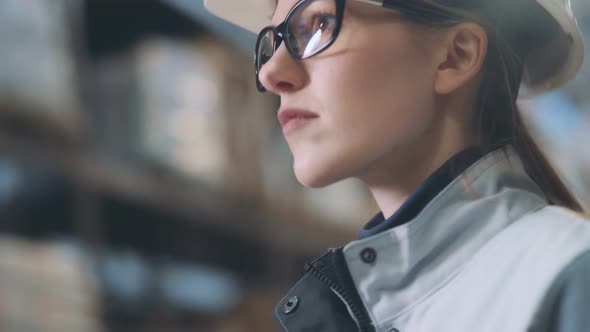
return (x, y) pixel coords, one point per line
(315, 177)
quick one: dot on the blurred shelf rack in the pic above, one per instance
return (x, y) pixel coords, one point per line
(215, 210)
(92, 191)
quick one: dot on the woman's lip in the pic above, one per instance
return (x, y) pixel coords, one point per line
(295, 124)
(287, 115)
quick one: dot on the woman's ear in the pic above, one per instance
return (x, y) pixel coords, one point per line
(461, 57)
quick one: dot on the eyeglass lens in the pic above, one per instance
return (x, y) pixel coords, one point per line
(309, 28)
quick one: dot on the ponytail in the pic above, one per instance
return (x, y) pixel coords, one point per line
(500, 123)
(498, 120)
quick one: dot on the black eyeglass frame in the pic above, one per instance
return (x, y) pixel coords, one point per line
(281, 33)
(282, 30)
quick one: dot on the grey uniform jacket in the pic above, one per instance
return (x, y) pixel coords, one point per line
(486, 254)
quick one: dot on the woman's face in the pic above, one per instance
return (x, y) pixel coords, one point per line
(372, 92)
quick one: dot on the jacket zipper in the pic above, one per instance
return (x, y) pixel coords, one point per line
(362, 319)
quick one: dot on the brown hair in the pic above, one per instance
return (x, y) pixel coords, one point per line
(514, 30)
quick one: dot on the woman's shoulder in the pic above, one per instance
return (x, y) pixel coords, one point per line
(545, 241)
(565, 308)
(564, 238)
(562, 213)
(550, 231)
(555, 221)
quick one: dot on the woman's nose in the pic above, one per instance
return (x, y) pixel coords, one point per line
(282, 73)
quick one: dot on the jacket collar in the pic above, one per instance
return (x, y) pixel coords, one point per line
(427, 190)
(415, 259)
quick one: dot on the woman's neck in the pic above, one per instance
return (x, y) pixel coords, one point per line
(397, 175)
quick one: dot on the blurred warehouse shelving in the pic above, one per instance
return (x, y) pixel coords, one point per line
(148, 156)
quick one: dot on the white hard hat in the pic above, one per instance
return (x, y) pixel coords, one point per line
(253, 15)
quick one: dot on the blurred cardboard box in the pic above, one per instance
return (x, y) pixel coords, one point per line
(45, 287)
(38, 70)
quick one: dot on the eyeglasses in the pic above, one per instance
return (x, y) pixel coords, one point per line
(310, 27)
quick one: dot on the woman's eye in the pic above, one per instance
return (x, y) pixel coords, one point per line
(311, 24)
(321, 22)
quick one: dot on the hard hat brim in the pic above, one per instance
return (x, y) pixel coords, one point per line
(251, 15)
(572, 39)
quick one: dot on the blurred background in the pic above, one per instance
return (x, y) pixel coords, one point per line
(144, 183)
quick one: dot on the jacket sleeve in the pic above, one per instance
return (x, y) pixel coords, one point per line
(569, 309)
